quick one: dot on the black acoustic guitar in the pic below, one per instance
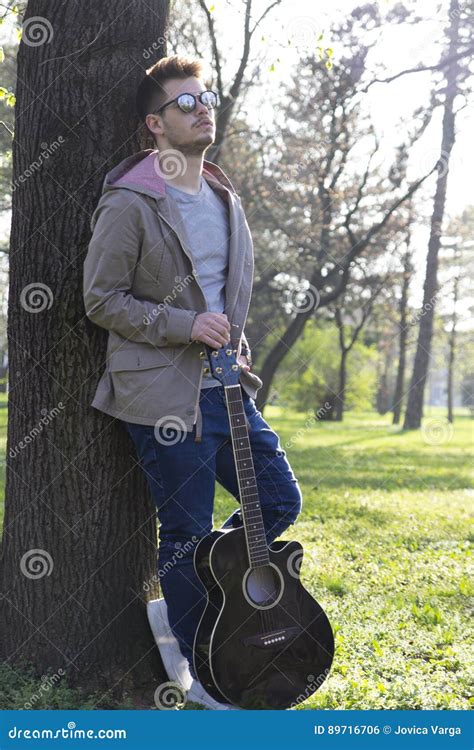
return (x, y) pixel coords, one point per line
(263, 642)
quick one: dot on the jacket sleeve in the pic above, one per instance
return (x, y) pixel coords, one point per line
(108, 275)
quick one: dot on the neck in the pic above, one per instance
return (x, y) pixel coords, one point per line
(190, 180)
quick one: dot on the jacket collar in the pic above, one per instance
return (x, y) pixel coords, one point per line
(138, 172)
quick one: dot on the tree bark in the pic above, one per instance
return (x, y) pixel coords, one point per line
(402, 340)
(79, 542)
(340, 401)
(414, 411)
(452, 349)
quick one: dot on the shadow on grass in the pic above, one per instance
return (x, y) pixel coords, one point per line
(333, 468)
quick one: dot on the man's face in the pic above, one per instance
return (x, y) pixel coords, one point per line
(188, 132)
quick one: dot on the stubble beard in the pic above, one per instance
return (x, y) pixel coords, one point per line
(192, 148)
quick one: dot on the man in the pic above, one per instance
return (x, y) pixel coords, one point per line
(169, 269)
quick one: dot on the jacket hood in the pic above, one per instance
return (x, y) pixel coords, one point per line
(139, 172)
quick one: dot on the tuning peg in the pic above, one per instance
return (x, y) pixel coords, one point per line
(202, 355)
(206, 370)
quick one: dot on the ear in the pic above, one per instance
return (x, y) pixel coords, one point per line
(155, 124)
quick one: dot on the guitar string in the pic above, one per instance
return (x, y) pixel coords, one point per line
(231, 403)
(235, 408)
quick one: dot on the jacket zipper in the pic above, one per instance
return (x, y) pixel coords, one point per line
(188, 254)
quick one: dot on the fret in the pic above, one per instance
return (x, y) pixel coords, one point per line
(249, 498)
(239, 449)
(245, 460)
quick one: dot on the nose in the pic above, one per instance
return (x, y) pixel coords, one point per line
(201, 108)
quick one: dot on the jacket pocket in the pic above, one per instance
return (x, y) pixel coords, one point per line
(140, 359)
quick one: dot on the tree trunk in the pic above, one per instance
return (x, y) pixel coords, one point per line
(79, 542)
(342, 385)
(402, 340)
(452, 350)
(414, 412)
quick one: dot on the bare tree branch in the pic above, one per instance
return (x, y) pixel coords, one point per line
(421, 68)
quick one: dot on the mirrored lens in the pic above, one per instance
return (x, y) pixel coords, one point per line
(186, 102)
(209, 99)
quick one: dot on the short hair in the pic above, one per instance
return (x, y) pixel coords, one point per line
(151, 94)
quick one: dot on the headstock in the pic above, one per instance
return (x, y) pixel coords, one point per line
(224, 365)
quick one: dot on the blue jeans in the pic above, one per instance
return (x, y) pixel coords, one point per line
(181, 474)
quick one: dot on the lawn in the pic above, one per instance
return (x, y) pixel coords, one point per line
(385, 527)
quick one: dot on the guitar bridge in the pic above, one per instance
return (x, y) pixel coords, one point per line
(275, 638)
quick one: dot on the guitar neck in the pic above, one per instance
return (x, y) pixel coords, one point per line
(249, 500)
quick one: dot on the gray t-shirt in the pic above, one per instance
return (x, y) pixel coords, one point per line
(206, 221)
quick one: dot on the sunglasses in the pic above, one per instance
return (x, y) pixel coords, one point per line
(188, 102)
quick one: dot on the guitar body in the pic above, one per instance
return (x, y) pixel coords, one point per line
(263, 642)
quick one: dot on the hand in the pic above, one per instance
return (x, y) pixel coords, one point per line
(242, 360)
(212, 328)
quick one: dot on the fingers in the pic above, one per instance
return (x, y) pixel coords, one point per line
(212, 328)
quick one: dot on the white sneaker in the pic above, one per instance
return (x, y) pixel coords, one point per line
(197, 694)
(176, 665)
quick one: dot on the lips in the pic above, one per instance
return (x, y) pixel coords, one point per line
(204, 122)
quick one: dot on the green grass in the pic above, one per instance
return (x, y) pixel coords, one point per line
(385, 527)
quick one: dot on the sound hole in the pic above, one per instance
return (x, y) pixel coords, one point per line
(263, 586)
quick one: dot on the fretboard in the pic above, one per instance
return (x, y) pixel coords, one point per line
(249, 500)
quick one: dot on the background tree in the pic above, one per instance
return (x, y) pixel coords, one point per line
(459, 38)
(457, 273)
(352, 311)
(322, 211)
